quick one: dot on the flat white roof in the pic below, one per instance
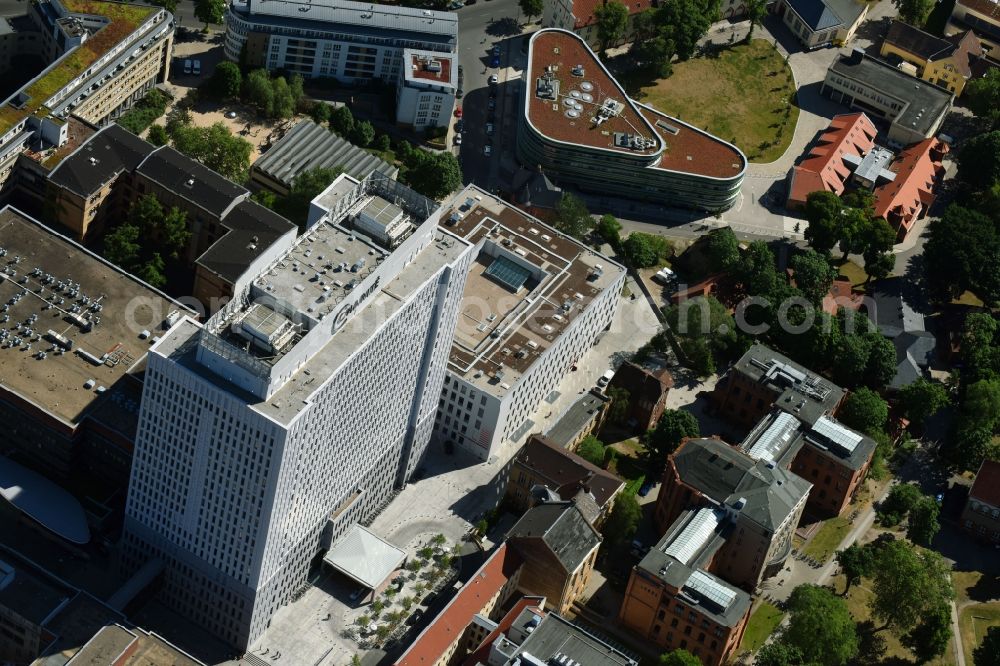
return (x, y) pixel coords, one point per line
(43, 501)
(365, 557)
(837, 433)
(694, 535)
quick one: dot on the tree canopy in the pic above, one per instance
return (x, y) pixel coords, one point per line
(922, 399)
(673, 426)
(907, 584)
(210, 11)
(856, 562)
(226, 81)
(435, 175)
(215, 147)
(591, 449)
(679, 658)
(979, 160)
(611, 19)
(306, 187)
(914, 12)
(983, 95)
(531, 8)
(813, 275)
(572, 217)
(962, 252)
(820, 626)
(623, 521)
(722, 249)
(642, 250)
(864, 410)
(163, 233)
(923, 525)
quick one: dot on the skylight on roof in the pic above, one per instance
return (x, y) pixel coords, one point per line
(694, 536)
(773, 440)
(508, 273)
(837, 433)
(711, 589)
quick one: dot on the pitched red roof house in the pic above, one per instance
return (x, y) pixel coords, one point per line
(842, 295)
(583, 10)
(824, 168)
(986, 488)
(904, 200)
(478, 595)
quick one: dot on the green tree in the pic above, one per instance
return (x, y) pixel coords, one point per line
(824, 212)
(642, 250)
(856, 562)
(979, 161)
(151, 272)
(217, 148)
(363, 133)
(435, 175)
(382, 143)
(306, 187)
(591, 449)
(320, 113)
(226, 81)
(898, 503)
(970, 443)
(611, 19)
(258, 92)
(929, 639)
(961, 250)
(722, 249)
(923, 525)
(756, 11)
(756, 270)
(699, 356)
(983, 95)
(265, 198)
(982, 403)
(820, 626)
(779, 653)
(531, 8)
(209, 11)
(342, 121)
(922, 399)
(679, 658)
(980, 347)
(609, 228)
(284, 102)
(158, 135)
(988, 652)
(685, 22)
(572, 217)
(864, 410)
(673, 426)
(618, 410)
(907, 584)
(623, 521)
(914, 12)
(121, 246)
(813, 275)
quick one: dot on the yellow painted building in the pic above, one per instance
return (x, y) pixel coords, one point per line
(947, 62)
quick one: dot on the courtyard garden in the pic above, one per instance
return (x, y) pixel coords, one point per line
(743, 94)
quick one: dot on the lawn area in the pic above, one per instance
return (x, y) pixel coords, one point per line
(857, 603)
(628, 466)
(756, 88)
(854, 273)
(973, 621)
(763, 621)
(825, 542)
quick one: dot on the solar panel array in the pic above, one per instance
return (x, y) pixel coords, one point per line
(694, 536)
(837, 433)
(711, 589)
(508, 273)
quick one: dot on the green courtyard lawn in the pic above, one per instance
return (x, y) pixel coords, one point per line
(827, 539)
(763, 621)
(743, 94)
(975, 618)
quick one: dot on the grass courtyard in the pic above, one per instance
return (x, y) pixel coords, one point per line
(763, 621)
(743, 94)
(975, 618)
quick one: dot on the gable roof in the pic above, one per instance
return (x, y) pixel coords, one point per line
(916, 168)
(583, 10)
(823, 167)
(642, 382)
(451, 622)
(890, 305)
(825, 14)
(917, 42)
(191, 180)
(563, 529)
(102, 157)
(726, 475)
(567, 472)
(986, 487)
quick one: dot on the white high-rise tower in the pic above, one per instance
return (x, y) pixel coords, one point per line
(295, 411)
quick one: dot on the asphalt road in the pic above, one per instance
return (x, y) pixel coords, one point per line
(481, 26)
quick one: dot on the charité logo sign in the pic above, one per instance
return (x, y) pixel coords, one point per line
(348, 309)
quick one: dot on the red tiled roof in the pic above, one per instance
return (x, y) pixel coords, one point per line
(916, 167)
(560, 51)
(419, 69)
(692, 151)
(987, 485)
(567, 471)
(824, 168)
(482, 653)
(842, 295)
(984, 7)
(451, 623)
(583, 10)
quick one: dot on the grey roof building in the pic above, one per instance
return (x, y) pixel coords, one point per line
(310, 146)
(914, 108)
(191, 180)
(894, 312)
(99, 161)
(551, 639)
(768, 493)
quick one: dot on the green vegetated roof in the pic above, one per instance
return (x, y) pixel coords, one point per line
(124, 20)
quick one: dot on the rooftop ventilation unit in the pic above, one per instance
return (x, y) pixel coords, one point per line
(577, 70)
